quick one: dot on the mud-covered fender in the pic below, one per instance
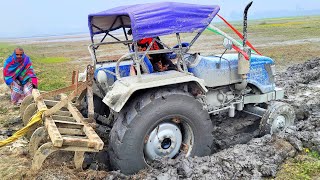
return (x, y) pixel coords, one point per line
(122, 89)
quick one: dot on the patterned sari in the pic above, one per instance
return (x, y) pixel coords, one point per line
(19, 75)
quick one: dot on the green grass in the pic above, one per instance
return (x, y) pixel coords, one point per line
(54, 62)
(3, 110)
(305, 166)
(314, 154)
(278, 28)
(53, 72)
(5, 50)
(50, 60)
(52, 77)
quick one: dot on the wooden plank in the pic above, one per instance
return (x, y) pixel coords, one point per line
(90, 74)
(63, 118)
(63, 113)
(77, 148)
(57, 107)
(79, 99)
(68, 131)
(64, 101)
(90, 104)
(76, 114)
(56, 92)
(88, 130)
(76, 81)
(93, 137)
(51, 103)
(65, 124)
(62, 109)
(75, 137)
(40, 103)
(73, 76)
(53, 132)
(78, 141)
(78, 159)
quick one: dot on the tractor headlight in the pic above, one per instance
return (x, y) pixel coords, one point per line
(102, 77)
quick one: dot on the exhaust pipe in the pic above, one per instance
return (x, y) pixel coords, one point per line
(245, 19)
(243, 64)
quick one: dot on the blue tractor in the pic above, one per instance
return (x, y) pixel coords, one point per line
(156, 114)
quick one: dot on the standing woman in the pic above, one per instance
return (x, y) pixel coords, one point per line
(19, 75)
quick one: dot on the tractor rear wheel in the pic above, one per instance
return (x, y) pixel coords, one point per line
(278, 117)
(162, 123)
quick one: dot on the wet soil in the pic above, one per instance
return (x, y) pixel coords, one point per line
(259, 157)
(238, 152)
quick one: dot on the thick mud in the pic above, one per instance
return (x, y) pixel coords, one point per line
(238, 152)
(254, 158)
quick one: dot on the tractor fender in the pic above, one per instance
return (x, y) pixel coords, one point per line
(124, 88)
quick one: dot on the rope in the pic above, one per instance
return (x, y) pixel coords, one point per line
(37, 118)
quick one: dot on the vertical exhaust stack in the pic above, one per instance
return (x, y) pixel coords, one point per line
(243, 64)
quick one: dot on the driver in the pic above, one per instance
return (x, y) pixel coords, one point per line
(160, 62)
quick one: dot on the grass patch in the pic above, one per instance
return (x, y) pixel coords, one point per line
(53, 72)
(313, 154)
(5, 50)
(291, 53)
(53, 76)
(3, 110)
(277, 29)
(49, 60)
(305, 166)
(54, 62)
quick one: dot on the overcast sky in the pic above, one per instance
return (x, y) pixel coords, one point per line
(21, 18)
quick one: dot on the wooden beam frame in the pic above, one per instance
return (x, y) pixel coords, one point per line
(68, 130)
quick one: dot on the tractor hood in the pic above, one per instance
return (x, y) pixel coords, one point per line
(254, 60)
(219, 73)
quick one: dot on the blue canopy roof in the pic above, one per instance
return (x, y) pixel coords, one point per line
(154, 19)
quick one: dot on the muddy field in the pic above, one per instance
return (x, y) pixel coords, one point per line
(239, 153)
(256, 157)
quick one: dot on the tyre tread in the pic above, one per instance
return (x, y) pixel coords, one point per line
(125, 119)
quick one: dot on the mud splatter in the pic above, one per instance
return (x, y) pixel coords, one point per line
(260, 157)
(239, 153)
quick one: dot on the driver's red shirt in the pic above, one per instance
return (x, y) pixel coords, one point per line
(147, 41)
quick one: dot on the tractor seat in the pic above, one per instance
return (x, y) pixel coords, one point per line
(146, 61)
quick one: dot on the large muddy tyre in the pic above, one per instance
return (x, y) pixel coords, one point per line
(277, 118)
(162, 123)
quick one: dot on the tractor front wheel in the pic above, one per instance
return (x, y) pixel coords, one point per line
(278, 117)
(162, 123)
